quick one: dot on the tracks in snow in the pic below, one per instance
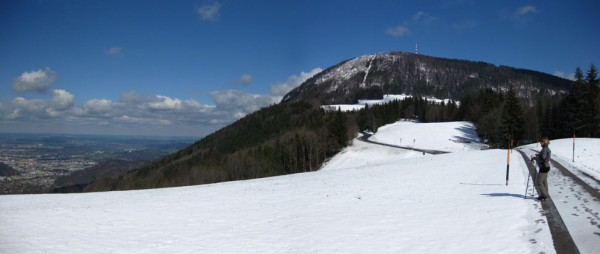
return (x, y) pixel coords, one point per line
(563, 242)
(365, 138)
(576, 203)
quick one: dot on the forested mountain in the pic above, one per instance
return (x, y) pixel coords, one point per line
(281, 139)
(371, 76)
(509, 106)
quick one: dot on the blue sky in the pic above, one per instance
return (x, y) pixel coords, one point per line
(187, 68)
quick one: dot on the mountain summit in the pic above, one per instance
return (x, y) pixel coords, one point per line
(371, 76)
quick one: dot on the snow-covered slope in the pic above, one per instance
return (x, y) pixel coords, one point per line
(449, 137)
(367, 199)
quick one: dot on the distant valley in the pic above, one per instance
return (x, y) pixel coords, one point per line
(40, 163)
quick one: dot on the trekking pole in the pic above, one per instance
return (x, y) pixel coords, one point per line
(534, 163)
(527, 186)
(528, 177)
(532, 186)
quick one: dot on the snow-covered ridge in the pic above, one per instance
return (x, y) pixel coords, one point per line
(347, 69)
(386, 99)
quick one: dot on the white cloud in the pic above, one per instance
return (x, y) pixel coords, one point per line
(98, 106)
(34, 81)
(114, 51)
(423, 18)
(245, 79)
(279, 90)
(159, 102)
(134, 113)
(398, 31)
(525, 10)
(210, 12)
(236, 101)
(39, 109)
(239, 103)
(38, 81)
(155, 110)
(14, 114)
(34, 106)
(239, 115)
(61, 99)
(130, 97)
(520, 15)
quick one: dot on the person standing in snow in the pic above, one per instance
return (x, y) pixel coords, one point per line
(543, 161)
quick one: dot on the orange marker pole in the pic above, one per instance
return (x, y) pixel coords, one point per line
(508, 162)
(507, 166)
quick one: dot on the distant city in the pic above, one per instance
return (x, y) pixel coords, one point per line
(30, 163)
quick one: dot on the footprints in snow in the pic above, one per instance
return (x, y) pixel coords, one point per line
(538, 221)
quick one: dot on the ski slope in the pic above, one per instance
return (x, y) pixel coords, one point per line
(367, 199)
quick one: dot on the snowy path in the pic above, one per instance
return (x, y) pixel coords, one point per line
(576, 200)
(579, 209)
(563, 241)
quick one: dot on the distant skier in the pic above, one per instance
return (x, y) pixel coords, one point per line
(543, 161)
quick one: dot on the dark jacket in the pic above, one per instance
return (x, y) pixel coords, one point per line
(543, 159)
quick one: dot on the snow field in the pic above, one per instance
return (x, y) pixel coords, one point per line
(449, 137)
(367, 199)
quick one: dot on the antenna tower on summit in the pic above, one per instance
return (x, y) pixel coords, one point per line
(416, 48)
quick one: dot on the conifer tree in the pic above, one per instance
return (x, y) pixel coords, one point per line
(573, 104)
(339, 129)
(512, 117)
(592, 103)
